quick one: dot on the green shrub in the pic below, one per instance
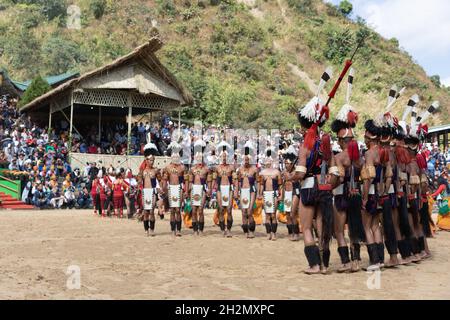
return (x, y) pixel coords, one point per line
(303, 6)
(37, 88)
(166, 8)
(345, 7)
(98, 8)
(60, 55)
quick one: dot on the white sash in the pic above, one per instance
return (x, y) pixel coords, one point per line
(225, 194)
(339, 190)
(197, 195)
(148, 198)
(245, 198)
(175, 196)
(372, 189)
(308, 183)
(269, 202)
(288, 201)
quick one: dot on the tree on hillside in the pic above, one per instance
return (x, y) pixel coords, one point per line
(49, 8)
(98, 8)
(37, 88)
(61, 55)
(436, 79)
(345, 7)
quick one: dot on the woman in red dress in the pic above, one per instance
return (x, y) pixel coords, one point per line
(119, 186)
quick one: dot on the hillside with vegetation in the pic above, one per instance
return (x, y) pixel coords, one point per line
(248, 63)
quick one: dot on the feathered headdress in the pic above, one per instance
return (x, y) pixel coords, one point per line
(249, 149)
(150, 149)
(347, 116)
(290, 154)
(175, 148)
(199, 146)
(314, 113)
(224, 146)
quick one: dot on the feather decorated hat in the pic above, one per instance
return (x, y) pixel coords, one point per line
(417, 131)
(224, 146)
(314, 114)
(175, 148)
(313, 111)
(347, 117)
(199, 146)
(383, 124)
(150, 149)
(249, 148)
(290, 154)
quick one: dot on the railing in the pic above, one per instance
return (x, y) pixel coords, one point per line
(11, 187)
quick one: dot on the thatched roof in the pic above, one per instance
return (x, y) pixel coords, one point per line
(144, 53)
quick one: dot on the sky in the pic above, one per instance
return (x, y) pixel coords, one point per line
(421, 26)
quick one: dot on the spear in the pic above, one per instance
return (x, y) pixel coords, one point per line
(348, 64)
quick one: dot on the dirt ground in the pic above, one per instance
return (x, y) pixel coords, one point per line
(116, 261)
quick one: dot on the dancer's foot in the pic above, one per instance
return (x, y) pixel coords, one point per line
(355, 266)
(251, 235)
(313, 270)
(346, 267)
(269, 236)
(274, 236)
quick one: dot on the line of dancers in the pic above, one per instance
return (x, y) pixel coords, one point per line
(379, 194)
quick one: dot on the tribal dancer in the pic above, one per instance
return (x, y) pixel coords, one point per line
(291, 190)
(425, 218)
(119, 186)
(130, 195)
(386, 186)
(247, 177)
(417, 180)
(225, 178)
(347, 200)
(148, 180)
(174, 177)
(314, 203)
(200, 186)
(402, 160)
(370, 175)
(270, 184)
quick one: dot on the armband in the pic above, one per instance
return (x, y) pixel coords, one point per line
(341, 171)
(414, 180)
(372, 172)
(364, 173)
(301, 169)
(389, 173)
(334, 171)
(403, 176)
(423, 178)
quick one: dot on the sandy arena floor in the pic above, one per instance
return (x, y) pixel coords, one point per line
(117, 261)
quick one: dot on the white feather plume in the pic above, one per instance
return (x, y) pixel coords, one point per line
(414, 100)
(327, 74)
(309, 111)
(431, 110)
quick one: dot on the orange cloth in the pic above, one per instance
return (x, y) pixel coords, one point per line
(257, 212)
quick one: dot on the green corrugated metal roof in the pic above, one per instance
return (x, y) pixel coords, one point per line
(50, 79)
